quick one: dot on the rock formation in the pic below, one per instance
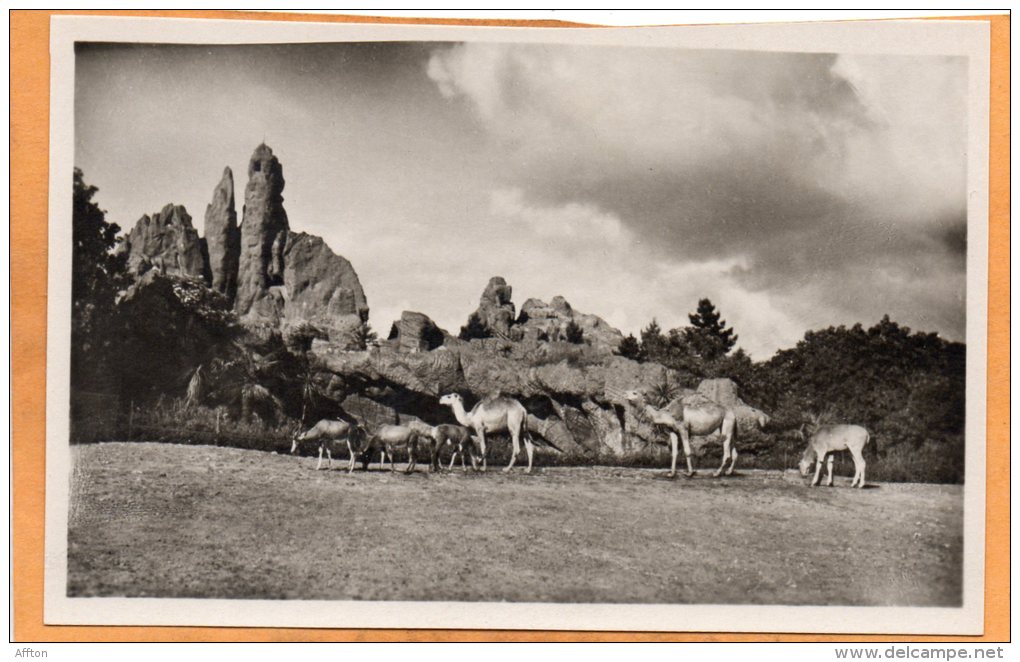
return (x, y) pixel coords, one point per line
(495, 310)
(320, 287)
(223, 237)
(263, 235)
(166, 242)
(416, 332)
(540, 321)
(282, 278)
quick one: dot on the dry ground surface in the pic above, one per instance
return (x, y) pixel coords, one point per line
(199, 521)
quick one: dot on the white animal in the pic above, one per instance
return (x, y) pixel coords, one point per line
(326, 433)
(823, 440)
(697, 419)
(493, 415)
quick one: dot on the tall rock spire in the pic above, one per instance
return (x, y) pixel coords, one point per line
(223, 237)
(263, 236)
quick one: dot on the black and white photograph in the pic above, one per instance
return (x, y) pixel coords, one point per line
(644, 329)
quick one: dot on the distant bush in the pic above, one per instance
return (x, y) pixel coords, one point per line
(475, 328)
(630, 348)
(574, 333)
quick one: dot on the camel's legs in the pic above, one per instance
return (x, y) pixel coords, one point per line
(481, 446)
(685, 437)
(453, 458)
(729, 428)
(673, 447)
(529, 446)
(318, 465)
(859, 464)
(515, 438)
(329, 455)
(725, 455)
(828, 463)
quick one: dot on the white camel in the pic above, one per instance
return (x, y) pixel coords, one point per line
(825, 440)
(326, 433)
(701, 419)
(492, 415)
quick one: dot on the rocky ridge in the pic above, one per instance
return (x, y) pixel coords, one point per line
(271, 276)
(281, 283)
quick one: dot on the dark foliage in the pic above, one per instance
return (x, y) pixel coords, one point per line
(707, 337)
(475, 328)
(630, 348)
(574, 333)
(97, 274)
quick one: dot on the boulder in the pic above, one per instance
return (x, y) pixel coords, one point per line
(321, 288)
(263, 235)
(165, 242)
(417, 333)
(223, 237)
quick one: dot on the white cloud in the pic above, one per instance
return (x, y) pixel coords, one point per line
(581, 222)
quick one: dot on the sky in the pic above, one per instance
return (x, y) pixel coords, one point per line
(795, 190)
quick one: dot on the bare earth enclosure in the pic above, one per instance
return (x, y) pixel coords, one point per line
(163, 520)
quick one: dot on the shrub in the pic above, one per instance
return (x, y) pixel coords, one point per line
(574, 333)
(475, 328)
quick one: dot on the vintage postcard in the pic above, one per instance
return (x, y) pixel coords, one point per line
(648, 329)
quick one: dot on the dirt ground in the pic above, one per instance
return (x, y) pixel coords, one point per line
(198, 521)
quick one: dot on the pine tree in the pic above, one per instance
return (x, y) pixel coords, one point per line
(475, 328)
(574, 333)
(630, 348)
(654, 345)
(708, 336)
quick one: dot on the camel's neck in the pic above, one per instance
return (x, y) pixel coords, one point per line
(460, 414)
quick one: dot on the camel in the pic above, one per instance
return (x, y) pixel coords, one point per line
(388, 438)
(495, 414)
(825, 440)
(699, 420)
(326, 433)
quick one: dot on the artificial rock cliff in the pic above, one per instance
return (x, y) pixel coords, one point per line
(223, 237)
(166, 242)
(271, 276)
(574, 392)
(263, 234)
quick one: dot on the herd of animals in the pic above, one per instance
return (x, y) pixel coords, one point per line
(504, 415)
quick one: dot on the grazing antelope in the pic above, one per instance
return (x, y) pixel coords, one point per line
(388, 438)
(326, 433)
(824, 440)
(457, 436)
